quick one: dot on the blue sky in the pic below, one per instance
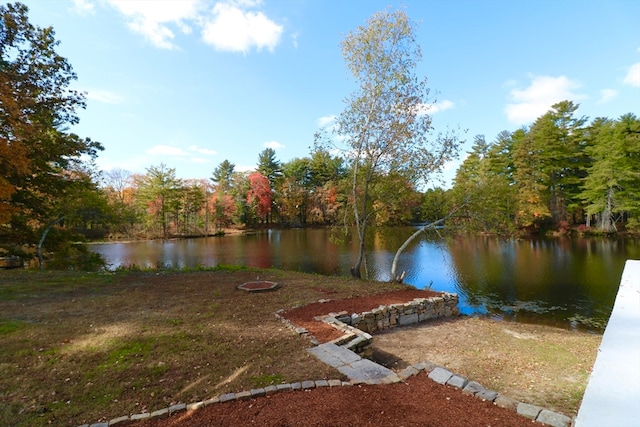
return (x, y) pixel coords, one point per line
(192, 83)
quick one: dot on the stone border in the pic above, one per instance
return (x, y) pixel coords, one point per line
(247, 286)
(355, 340)
(435, 373)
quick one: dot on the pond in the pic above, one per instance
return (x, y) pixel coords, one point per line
(571, 282)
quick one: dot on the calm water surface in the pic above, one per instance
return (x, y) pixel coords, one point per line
(563, 281)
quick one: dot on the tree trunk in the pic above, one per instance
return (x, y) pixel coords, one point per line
(357, 267)
(394, 265)
(44, 236)
(607, 223)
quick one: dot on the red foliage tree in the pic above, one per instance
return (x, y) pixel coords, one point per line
(259, 196)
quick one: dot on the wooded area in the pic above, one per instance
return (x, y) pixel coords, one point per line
(561, 174)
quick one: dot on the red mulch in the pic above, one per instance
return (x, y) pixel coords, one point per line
(304, 316)
(418, 401)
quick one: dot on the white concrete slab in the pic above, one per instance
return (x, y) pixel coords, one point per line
(612, 397)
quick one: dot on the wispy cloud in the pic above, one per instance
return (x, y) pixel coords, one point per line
(234, 27)
(199, 160)
(83, 7)
(155, 20)
(633, 75)
(436, 107)
(273, 144)
(537, 98)
(167, 150)
(607, 95)
(326, 120)
(104, 96)
(200, 150)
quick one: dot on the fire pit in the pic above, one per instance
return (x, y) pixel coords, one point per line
(258, 286)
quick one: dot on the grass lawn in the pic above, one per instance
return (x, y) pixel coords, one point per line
(83, 347)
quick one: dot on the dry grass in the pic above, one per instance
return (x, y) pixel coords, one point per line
(78, 348)
(536, 364)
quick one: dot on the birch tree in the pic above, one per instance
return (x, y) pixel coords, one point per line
(385, 127)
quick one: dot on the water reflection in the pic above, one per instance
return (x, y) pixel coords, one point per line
(550, 280)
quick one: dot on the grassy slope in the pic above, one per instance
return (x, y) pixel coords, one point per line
(77, 348)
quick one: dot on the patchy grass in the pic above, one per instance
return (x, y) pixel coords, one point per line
(80, 348)
(535, 364)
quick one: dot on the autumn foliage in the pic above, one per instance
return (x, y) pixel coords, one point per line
(260, 196)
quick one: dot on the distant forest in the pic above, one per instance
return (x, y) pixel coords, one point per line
(562, 174)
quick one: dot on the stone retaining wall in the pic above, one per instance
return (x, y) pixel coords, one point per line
(416, 311)
(357, 327)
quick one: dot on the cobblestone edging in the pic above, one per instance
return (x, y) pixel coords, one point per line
(357, 343)
(435, 373)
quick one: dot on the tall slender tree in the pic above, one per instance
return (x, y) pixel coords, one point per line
(384, 123)
(222, 200)
(158, 191)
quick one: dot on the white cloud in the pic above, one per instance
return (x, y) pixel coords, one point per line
(234, 28)
(436, 107)
(607, 95)
(83, 7)
(201, 150)
(245, 168)
(326, 120)
(152, 18)
(633, 75)
(105, 96)
(273, 144)
(536, 99)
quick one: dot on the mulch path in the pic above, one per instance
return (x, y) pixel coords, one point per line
(304, 316)
(419, 401)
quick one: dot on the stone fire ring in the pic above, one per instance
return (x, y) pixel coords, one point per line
(258, 286)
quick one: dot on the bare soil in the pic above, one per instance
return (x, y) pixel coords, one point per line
(417, 402)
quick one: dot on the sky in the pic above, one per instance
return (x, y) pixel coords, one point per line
(192, 83)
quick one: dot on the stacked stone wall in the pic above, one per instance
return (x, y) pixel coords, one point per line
(416, 311)
(357, 327)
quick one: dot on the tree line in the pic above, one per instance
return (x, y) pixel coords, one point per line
(561, 174)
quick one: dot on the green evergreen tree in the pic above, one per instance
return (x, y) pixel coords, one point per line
(532, 209)
(612, 184)
(159, 192)
(559, 142)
